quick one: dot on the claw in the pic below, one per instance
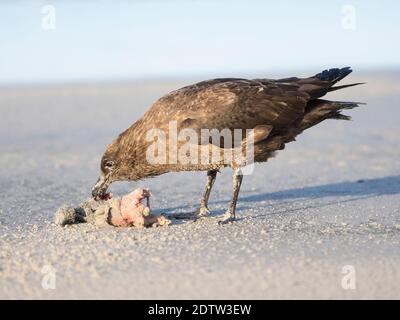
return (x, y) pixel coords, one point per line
(202, 212)
(228, 218)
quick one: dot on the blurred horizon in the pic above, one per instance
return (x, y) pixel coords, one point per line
(44, 42)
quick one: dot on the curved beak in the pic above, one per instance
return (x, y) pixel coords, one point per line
(100, 188)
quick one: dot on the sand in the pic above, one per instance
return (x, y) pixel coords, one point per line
(325, 209)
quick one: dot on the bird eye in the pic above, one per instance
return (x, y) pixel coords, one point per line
(108, 164)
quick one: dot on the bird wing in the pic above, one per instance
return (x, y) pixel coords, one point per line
(237, 104)
(233, 103)
(275, 107)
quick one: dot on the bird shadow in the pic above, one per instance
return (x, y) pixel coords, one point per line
(356, 190)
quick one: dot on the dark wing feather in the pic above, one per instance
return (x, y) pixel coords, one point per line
(236, 104)
(232, 103)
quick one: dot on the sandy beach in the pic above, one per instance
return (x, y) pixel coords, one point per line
(327, 204)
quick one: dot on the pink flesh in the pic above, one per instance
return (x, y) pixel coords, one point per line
(131, 206)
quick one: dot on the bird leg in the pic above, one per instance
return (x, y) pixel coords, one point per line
(229, 215)
(203, 211)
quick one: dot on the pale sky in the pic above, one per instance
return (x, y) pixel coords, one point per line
(118, 40)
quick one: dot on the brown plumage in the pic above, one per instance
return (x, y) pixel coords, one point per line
(275, 110)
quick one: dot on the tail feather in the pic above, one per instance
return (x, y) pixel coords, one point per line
(320, 110)
(345, 86)
(334, 75)
(319, 85)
